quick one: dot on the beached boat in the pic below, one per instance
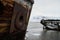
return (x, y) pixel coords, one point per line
(53, 24)
(14, 17)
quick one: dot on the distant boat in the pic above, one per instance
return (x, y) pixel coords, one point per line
(53, 24)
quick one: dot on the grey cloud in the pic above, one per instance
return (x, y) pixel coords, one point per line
(46, 8)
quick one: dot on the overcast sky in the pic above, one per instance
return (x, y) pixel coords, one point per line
(46, 8)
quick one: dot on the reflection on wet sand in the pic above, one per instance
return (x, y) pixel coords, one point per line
(50, 35)
(36, 32)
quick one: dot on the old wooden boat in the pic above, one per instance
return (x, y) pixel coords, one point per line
(14, 17)
(53, 24)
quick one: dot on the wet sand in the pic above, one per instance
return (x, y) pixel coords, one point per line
(36, 32)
